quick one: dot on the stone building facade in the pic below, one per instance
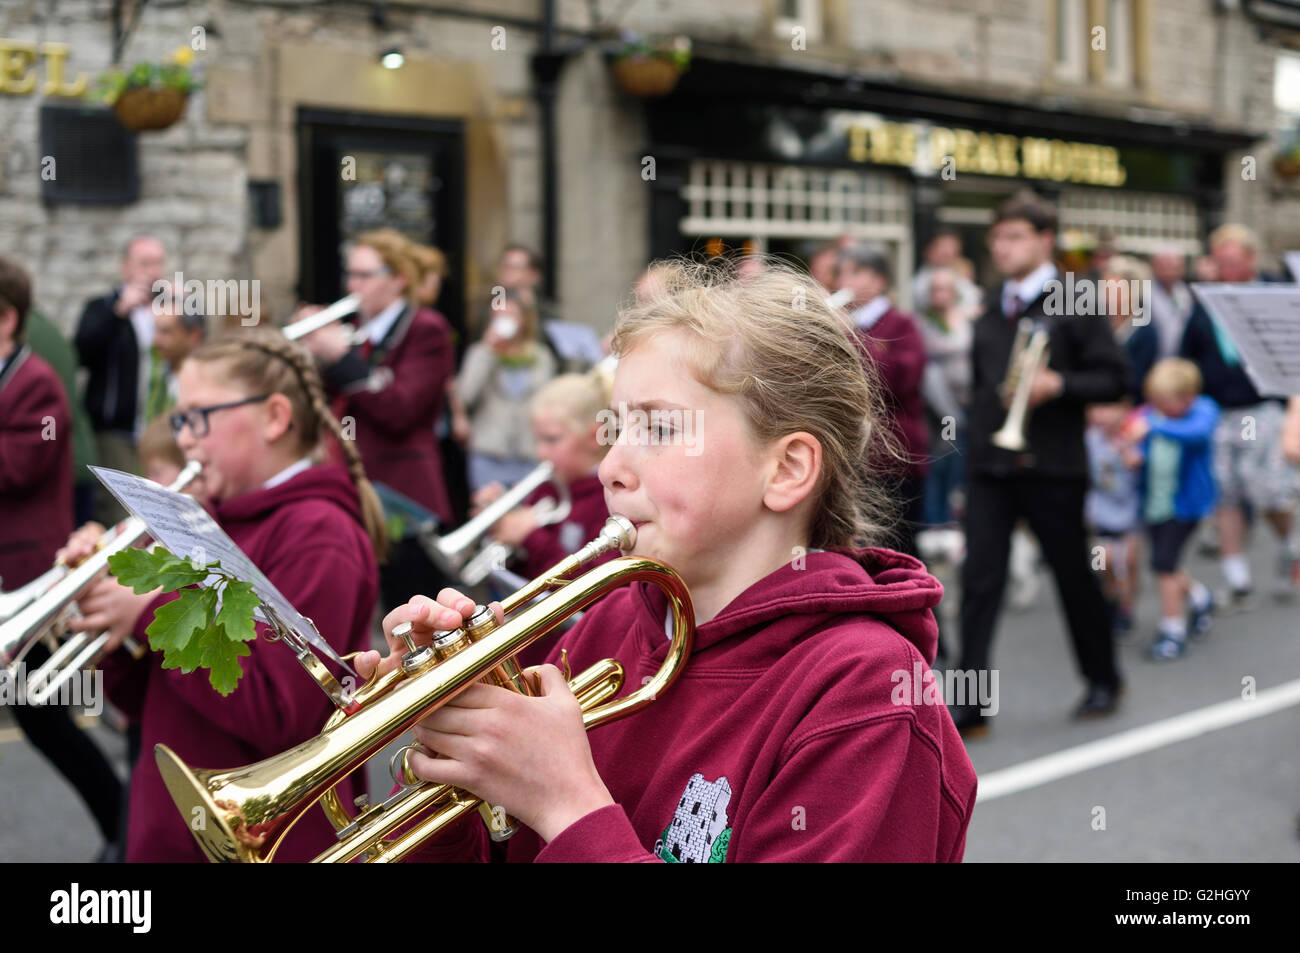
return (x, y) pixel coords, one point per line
(1171, 71)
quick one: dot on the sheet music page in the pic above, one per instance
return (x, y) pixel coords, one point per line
(185, 529)
(1264, 323)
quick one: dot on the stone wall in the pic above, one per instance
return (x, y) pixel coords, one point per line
(1202, 66)
(193, 177)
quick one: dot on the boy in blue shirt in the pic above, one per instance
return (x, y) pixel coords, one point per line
(1176, 430)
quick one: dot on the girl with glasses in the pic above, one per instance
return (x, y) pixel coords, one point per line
(252, 410)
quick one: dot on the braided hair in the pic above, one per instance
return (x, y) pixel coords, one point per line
(267, 362)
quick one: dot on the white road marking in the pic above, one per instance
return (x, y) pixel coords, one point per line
(1167, 731)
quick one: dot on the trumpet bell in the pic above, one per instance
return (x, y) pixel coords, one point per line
(243, 814)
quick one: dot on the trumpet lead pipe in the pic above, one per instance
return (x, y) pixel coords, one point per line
(89, 649)
(338, 310)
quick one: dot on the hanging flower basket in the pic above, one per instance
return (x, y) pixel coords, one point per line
(145, 108)
(149, 95)
(648, 68)
(646, 77)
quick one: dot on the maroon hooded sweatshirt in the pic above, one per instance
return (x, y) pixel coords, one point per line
(782, 739)
(307, 537)
(35, 471)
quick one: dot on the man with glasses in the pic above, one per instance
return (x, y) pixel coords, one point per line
(1046, 483)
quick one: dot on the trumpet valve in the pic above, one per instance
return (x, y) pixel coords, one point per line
(480, 623)
(417, 657)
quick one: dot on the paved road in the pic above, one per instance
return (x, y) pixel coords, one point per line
(1230, 794)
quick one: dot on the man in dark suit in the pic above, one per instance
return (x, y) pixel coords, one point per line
(114, 342)
(1047, 482)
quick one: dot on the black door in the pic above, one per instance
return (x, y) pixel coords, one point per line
(362, 171)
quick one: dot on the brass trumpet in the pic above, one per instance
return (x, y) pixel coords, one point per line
(250, 809)
(337, 311)
(1028, 357)
(459, 555)
(42, 612)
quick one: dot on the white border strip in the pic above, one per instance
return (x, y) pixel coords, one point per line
(1062, 764)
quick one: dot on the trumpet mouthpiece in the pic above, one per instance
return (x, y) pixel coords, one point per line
(620, 531)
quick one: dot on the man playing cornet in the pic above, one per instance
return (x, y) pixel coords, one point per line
(1046, 481)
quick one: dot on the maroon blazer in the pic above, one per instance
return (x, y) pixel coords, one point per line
(306, 536)
(396, 396)
(35, 468)
(894, 344)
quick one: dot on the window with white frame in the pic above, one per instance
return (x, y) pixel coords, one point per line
(1071, 41)
(798, 15)
(1286, 95)
(757, 202)
(1119, 43)
(1140, 222)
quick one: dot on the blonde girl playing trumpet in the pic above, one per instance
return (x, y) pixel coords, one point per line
(787, 736)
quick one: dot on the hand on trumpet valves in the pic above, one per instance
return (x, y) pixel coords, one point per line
(82, 543)
(449, 611)
(108, 606)
(329, 343)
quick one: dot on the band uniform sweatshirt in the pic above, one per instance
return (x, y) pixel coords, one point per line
(307, 537)
(799, 730)
(547, 545)
(35, 467)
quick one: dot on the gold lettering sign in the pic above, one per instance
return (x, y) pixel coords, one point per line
(983, 153)
(18, 72)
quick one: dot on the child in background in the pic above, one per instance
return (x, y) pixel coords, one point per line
(1176, 428)
(566, 424)
(1112, 505)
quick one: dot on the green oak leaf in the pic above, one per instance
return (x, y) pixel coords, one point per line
(221, 656)
(144, 570)
(177, 625)
(236, 614)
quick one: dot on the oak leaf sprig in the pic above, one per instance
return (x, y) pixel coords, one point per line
(205, 626)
